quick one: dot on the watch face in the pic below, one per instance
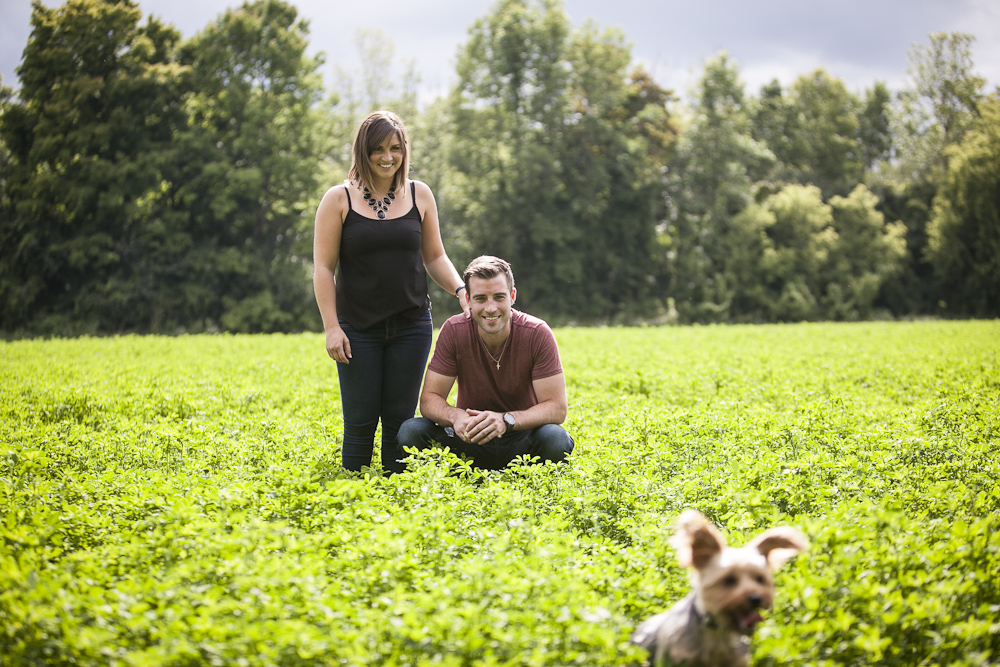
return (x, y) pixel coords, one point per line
(508, 419)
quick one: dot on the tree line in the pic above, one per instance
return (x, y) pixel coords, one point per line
(153, 184)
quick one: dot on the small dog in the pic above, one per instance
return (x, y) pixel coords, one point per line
(712, 626)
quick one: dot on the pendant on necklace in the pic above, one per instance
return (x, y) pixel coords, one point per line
(496, 360)
(380, 206)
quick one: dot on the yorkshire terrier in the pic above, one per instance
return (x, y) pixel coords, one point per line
(712, 626)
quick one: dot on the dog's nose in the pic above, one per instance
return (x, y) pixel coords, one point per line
(755, 599)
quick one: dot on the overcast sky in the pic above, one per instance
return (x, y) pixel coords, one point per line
(859, 41)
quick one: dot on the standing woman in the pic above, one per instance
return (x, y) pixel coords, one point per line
(378, 232)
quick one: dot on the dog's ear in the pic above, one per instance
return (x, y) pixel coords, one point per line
(778, 545)
(696, 540)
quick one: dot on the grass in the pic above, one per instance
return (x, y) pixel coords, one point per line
(179, 501)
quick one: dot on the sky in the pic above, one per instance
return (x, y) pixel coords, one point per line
(859, 41)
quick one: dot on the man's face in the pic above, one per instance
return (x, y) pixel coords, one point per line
(491, 301)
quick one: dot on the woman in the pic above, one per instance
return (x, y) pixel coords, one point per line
(378, 231)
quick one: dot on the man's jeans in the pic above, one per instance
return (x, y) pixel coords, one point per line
(549, 442)
(382, 381)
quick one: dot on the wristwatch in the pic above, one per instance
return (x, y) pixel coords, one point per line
(509, 420)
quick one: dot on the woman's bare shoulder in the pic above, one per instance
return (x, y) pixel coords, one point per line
(334, 202)
(422, 189)
(338, 192)
(337, 196)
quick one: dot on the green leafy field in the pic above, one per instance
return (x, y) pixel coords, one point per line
(179, 501)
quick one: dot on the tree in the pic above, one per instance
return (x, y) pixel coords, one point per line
(6, 213)
(149, 195)
(933, 112)
(619, 133)
(248, 184)
(802, 238)
(710, 181)
(868, 253)
(940, 104)
(552, 165)
(794, 257)
(829, 126)
(88, 140)
(874, 126)
(748, 246)
(964, 230)
(813, 132)
(504, 157)
(775, 123)
(382, 82)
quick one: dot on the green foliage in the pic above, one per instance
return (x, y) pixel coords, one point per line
(874, 126)
(249, 182)
(6, 93)
(178, 501)
(965, 228)
(821, 261)
(913, 291)
(552, 162)
(803, 237)
(793, 257)
(149, 185)
(829, 127)
(147, 190)
(937, 109)
(898, 147)
(815, 132)
(934, 112)
(89, 139)
(868, 254)
(775, 123)
(710, 181)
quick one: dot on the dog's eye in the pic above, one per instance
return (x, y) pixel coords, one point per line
(730, 581)
(761, 579)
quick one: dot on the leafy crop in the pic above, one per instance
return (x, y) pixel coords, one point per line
(179, 501)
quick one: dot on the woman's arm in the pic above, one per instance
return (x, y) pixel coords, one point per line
(326, 254)
(436, 261)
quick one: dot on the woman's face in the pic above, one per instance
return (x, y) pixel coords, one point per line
(387, 157)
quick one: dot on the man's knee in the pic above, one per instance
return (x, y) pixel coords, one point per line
(415, 432)
(553, 443)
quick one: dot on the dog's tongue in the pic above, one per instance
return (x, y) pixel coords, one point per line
(750, 621)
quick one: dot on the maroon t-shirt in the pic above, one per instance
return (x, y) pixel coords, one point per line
(531, 354)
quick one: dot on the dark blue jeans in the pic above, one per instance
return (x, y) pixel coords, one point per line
(549, 442)
(381, 382)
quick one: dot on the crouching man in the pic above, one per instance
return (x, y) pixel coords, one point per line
(511, 388)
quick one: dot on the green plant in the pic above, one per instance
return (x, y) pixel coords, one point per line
(179, 501)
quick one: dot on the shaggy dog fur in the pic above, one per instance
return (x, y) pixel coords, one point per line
(712, 626)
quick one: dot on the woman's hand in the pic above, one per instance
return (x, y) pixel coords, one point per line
(463, 301)
(338, 346)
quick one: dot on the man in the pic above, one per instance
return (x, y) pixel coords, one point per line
(511, 388)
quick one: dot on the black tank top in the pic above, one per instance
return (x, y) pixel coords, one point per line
(380, 272)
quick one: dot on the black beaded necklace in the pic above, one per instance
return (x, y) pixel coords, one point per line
(380, 206)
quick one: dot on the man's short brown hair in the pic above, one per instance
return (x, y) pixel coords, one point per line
(486, 267)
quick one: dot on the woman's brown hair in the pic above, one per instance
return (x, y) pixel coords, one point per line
(373, 132)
